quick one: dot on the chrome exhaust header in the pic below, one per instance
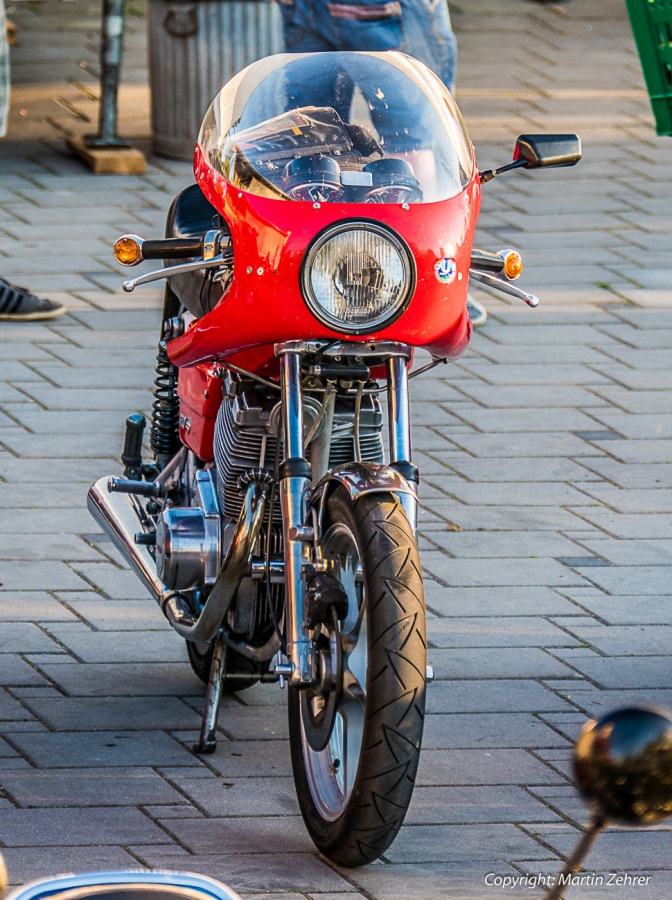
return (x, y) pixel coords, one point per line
(121, 517)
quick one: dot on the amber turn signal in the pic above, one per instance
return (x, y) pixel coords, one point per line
(513, 265)
(128, 250)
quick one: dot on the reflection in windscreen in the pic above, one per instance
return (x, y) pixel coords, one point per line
(348, 127)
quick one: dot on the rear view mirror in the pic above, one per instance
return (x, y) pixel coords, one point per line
(536, 151)
(540, 150)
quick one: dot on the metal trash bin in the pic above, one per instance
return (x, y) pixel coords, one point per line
(195, 47)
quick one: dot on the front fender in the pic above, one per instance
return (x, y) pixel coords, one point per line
(358, 479)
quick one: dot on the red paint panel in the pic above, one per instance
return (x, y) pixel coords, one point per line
(264, 304)
(200, 393)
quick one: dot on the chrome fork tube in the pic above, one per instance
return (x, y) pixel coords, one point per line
(294, 488)
(399, 422)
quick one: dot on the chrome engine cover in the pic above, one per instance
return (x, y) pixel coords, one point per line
(189, 539)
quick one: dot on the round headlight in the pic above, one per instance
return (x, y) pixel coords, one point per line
(357, 277)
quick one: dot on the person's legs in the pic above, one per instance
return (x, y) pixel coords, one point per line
(428, 36)
(17, 304)
(4, 71)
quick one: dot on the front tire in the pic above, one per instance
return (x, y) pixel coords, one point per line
(354, 793)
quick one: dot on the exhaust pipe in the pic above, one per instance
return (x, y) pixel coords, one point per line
(118, 515)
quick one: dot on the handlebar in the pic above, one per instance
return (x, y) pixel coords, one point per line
(173, 248)
(130, 249)
(483, 261)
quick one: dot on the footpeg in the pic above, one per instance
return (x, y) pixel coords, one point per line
(140, 488)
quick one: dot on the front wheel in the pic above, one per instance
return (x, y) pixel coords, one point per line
(355, 739)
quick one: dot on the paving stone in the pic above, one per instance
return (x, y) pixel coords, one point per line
(455, 880)
(114, 713)
(618, 850)
(643, 672)
(649, 579)
(494, 662)
(71, 827)
(453, 805)
(57, 547)
(96, 446)
(530, 519)
(478, 730)
(246, 724)
(42, 575)
(241, 834)
(629, 527)
(90, 787)
(483, 767)
(115, 582)
(11, 710)
(14, 672)
(66, 750)
(505, 601)
(495, 632)
(117, 615)
(525, 469)
(19, 637)
(121, 647)
(250, 872)
(267, 796)
(243, 759)
(37, 606)
(130, 680)
(37, 471)
(476, 572)
(633, 500)
(24, 864)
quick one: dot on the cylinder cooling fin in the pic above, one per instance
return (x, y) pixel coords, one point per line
(246, 436)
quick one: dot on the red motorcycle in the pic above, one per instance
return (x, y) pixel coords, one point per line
(329, 235)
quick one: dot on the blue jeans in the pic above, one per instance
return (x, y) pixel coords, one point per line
(4, 71)
(420, 28)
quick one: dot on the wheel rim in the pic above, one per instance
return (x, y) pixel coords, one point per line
(331, 772)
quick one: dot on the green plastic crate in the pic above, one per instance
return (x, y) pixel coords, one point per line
(651, 22)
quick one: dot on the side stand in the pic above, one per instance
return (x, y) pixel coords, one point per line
(106, 153)
(208, 741)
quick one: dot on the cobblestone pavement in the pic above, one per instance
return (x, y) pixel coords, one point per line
(547, 486)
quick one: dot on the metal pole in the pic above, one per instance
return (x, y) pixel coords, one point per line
(577, 856)
(399, 424)
(111, 50)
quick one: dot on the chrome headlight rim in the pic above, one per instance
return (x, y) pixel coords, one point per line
(371, 226)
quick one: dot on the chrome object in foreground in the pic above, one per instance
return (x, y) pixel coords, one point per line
(622, 765)
(138, 885)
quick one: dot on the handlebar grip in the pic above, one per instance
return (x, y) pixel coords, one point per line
(173, 248)
(487, 262)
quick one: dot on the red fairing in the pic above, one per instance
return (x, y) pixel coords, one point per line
(264, 304)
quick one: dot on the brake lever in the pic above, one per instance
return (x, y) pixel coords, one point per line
(216, 262)
(506, 287)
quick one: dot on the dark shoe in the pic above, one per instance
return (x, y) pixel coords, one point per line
(477, 312)
(18, 305)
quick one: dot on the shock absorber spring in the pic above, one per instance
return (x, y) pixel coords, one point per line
(164, 434)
